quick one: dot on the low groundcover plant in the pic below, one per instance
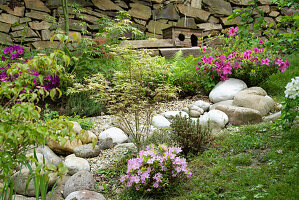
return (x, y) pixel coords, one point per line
(155, 168)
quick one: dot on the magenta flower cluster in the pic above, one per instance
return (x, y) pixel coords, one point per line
(232, 31)
(155, 168)
(14, 54)
(224, 65)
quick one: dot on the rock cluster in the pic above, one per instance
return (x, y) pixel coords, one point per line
(234, 104)
(29, 22)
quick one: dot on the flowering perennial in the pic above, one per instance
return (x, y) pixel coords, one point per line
(14, 54)
(155, 169)
(256, 59)
(292, 88)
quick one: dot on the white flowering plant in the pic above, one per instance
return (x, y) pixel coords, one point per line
(290, 111)
(155, 169)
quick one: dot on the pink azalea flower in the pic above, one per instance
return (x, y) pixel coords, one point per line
(265, 61)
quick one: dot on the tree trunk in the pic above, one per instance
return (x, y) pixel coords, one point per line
(66, 16)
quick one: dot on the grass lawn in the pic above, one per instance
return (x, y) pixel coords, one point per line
(254, 162)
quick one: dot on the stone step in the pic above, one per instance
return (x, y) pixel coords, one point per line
(147, 44)
(170, 52)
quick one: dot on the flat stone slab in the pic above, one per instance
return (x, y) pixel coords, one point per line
(138, 44)
(170, 52)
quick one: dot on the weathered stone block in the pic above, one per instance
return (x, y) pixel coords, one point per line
(209, 26)
(106, 5)
(17, 11)
(27, 32)
(121, 4)
(5, 39)
(196, 13)
(89, 18)
(25, 20)
(46, 34)
(214, 20)
(169, 12)
(37, 15)
(274, 14)
(36, 5)
(4, 27)
(196, 3)
(19, 27)
(39, 25)
(157, 26)
(219, 7)
(187, 22)
(140, 11)
(8, 18)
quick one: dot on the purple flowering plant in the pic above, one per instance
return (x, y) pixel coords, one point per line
(14, 54)
(34, 78)
(251, 64)
(155, 169)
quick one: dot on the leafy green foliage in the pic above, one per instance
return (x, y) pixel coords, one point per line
(184, 75)
(275, 84)
(283, 41)
(85, 124)
(21, 127)
(188, 133)
(81, 104)
(121, 25)
(252, 163)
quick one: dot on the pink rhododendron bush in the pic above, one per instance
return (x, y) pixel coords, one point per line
(155, 169)
(251, 63)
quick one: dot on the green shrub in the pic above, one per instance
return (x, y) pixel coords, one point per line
(188, 133)
(113, 29)
(21, 128)
(81, 104)
(184, 75)
(275, 84)
(85, 124)
(145, 74)
(161, 136)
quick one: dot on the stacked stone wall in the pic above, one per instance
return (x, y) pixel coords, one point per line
(28, 21)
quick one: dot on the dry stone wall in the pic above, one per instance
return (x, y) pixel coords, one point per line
(28, 22)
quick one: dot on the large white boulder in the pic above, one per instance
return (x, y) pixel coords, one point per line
(226, 90)
(117, 135)
(160, 121)
(85, 194)
(214, 120)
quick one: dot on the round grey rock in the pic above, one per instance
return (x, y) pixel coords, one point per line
(82, 180)
(225, 103)
(20, 179)
(202, 104)
(172, 114)
(76, 127)
(49, 155)
(87, 151)
(84, 195)
(76, 164)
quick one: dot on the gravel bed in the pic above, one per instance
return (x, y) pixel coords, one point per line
(108, 158)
